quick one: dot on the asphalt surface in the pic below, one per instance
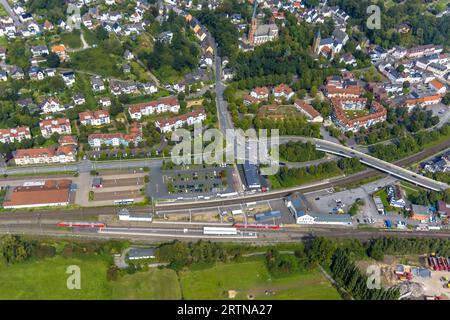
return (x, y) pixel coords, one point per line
(10, 12)
(340, 182)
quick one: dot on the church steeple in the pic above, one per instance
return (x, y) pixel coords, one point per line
(317, 39)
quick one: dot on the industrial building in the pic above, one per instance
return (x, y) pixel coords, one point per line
(297, 205)
(141, 253)
(39, 194)
(251, 176)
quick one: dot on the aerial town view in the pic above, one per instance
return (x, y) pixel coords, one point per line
(230, 150)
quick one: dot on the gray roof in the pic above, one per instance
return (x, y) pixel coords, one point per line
(141, 252)
(336, 217)
(422, 210)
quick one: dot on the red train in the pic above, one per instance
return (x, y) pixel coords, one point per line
(256, 226)
(81, 224)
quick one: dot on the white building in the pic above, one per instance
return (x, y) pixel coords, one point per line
(189, 119)
(51, 126)
(137, 111)
(14, 134)
(94, 118)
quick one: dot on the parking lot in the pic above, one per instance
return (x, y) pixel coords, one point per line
(117, 186)
(190, 183)
(329, 201)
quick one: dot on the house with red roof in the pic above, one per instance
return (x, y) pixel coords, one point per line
(50, 126)
(94, 118)
(190, 118)
(14, 134)
(169, 104)
(308, 111)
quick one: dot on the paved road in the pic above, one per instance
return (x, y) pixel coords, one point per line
(10, 12)
(392, 169)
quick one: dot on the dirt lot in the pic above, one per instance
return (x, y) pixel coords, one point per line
(123, 182)
(419, 286)
(208, 216)
(172, 217)
(117, 195)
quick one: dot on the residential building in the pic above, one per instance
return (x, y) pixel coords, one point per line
(137, 111)
(60, 154)
(395, 197)
(260, 93)
(60, 51)
(97, 84)
(38, 51)
(14, 134)
(94, 118)
(189, 119)
(96, 140)
(372, 113)
(338, 87)
(50, 126)
(283, 91)
(310, 113)
(51, 105)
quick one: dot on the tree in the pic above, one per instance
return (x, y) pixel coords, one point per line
(14, 249)
(53, 60)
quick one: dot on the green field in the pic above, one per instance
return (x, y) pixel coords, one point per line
(71, 40)
(253, 279)
(46, 279)
(152, 285)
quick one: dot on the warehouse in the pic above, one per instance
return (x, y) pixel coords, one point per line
(251, 176)
(38, 194)
(297, 205)
(141, 253)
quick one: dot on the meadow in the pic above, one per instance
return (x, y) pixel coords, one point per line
(46, 279)
(251, 280)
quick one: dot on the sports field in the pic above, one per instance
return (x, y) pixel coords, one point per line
(46, 279)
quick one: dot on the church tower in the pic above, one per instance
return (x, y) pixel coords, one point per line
(251, 32)
(316, 43)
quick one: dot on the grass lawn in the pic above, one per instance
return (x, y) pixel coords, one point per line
(46, 279)
(252, 278)
(410, 189)
(383, 196)
(152, 285)
(71, 39)
(97, 61)
(351, 114)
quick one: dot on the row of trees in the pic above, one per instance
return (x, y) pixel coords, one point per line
(425, 27)
(289, 177)
(399, 122)
(408, 145)
(348, 275)
(300, 152)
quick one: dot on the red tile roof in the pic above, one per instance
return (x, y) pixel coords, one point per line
(34, 153)
(307, 108)
(183, 117)
(51, 192)
(170, 101)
